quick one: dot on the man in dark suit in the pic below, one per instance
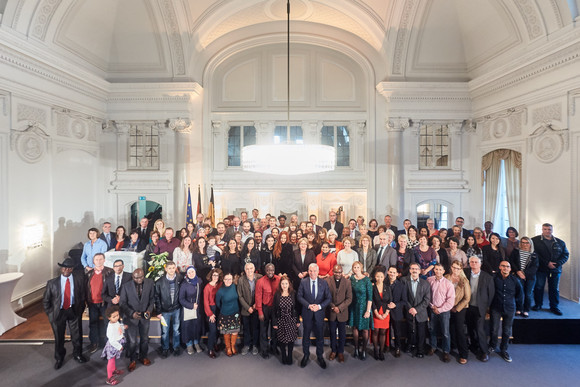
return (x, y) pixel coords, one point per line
(314, 296)
(64, 302)
(315, 227)
(144, 230)
(482, 292)
(334, 224)
(341, 292)
(406, 224)
(459, 222)
(235, 227)
(389, 226)
(137, 301)
(418, 299)
(107, 237)
(114, 283)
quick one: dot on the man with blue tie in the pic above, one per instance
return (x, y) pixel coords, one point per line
(107, 237)
(314, 296)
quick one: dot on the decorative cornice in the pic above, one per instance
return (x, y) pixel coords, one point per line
(504, 113)
(5, 100)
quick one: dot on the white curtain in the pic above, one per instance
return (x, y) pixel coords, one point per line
(490, 171)
(513, 168)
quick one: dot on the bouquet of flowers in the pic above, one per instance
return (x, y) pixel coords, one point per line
(157, 266)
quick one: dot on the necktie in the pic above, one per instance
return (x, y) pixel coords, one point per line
(66, 300)
(380, 254)
(117, 284)
(108, 236)
(314, 289)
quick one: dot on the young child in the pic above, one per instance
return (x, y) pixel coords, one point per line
(114, 346)
(213, 251)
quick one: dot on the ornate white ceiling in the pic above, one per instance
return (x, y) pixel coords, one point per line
(139, 40)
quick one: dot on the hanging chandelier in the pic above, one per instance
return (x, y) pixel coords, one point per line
(289, 158)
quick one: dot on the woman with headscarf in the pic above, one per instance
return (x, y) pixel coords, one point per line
(189, 298)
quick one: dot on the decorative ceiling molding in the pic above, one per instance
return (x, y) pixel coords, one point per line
(174, 36)
(43, 15)
(404, 31)
(532, 18)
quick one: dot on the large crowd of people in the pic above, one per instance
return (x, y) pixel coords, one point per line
(266, 277)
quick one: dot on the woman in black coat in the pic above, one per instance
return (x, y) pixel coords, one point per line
(250, 254)
(267, 253)
(524, 262)
(381, 312)
(396, 306)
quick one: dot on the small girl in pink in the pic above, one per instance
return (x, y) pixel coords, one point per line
(114, 346)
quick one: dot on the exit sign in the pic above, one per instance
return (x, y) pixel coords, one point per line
(142, 198)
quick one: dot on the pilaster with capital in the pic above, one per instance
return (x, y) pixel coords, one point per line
(394, 187)
(182, 128)
(121, 129)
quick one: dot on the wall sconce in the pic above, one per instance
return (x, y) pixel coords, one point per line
(32, 235)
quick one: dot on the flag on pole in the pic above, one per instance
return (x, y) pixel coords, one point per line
(189, 213)
(211, 209)
(198, 200)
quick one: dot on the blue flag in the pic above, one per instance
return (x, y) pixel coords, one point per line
(189, 215)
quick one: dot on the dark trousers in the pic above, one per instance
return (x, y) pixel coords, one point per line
(75, 329)
(266, 329)
(553, 288)
(251, 326)
(138, 330)
(337, 345)
(416, 333)
(212, 334)
(396, 328)
(458, 332)
(476, 330)
(315, 325)
(507, 320)
(97, 330)
(528, 286)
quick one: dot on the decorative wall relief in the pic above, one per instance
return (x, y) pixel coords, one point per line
(499, 128)
(31, 144)
(30, 113)
(76, 125)
(547, 143)
(506, 123)
(547, 114)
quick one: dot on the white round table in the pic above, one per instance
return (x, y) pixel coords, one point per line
(8, 319)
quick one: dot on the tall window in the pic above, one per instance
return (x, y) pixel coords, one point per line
(281, 134)
(143, 147)
(238, 137)
(434, 146)
(338, 137)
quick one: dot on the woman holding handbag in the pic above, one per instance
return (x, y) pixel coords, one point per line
(189, 293)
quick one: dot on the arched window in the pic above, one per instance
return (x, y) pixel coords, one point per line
(437, 210)
(238, 137)
(281, 134)
(338, 137)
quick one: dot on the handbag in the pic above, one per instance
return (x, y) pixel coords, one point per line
(191, 314)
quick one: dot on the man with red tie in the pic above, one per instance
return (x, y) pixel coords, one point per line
(64, 302)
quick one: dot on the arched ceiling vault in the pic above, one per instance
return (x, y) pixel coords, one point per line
(169, 40)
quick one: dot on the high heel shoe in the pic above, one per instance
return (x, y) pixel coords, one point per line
(356, 353)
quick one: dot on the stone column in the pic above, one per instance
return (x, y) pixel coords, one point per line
(182, 129)
(395, 188)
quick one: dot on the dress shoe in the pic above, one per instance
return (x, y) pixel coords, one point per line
(419, 355)
(80, 359)
(304, 362)
(265, 355)
(321, 362)
(376, 354)
(58, 364)
(525, 315)
(410, 349)
(556, 311)
(397, 352)
(145, 362)
(462, 360)
(356, 353)
(332, 356)
(164, 353)
(92, 348)
(535, 308)
(446, 358)
(341, 357)
(177, 351)
(211, 354)
(381, 356)
(484, 357)
(132, 366)
(431, 351)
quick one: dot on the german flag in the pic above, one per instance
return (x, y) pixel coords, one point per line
(211, 210)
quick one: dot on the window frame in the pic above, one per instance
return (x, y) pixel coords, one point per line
(433, 145)
(336, 125)
(242, 126)
(151, 131)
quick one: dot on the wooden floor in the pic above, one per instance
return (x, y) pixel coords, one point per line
(36, 327)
